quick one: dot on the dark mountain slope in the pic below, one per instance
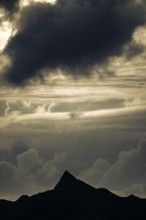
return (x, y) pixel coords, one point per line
(73, 199)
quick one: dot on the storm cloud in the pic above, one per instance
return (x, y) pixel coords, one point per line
(9, 5)
(71, 35)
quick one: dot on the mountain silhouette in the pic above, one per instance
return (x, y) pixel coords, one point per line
(72, 199)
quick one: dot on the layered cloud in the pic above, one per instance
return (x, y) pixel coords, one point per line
(94, 128)
(31, 172)
(92, 132)
(71, 35)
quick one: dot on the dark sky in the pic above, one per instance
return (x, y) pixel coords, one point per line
(9, 5)
(72, 94)
(71, 35)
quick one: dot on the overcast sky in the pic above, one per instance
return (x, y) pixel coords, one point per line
(72, 94)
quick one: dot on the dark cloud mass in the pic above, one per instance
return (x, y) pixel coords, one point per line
(9, 5)
(71, 35)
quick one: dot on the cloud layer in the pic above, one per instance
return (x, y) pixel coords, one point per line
(43, 134)
(31, 172)
(71, 35)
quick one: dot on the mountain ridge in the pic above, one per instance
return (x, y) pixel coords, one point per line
(72, 199)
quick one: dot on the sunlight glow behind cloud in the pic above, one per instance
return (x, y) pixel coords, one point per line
(24, 3)
(140, 35)
(5, 32)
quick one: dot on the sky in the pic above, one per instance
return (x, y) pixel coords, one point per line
(72, 95)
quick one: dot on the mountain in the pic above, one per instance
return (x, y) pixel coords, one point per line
(72, 199)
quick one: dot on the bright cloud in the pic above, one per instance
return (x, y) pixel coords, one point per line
(24, 3)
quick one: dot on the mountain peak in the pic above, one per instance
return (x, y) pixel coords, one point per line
(67, 179)
(67, 175)
(74, 199)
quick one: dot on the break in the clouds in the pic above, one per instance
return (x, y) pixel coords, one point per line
(71, 35)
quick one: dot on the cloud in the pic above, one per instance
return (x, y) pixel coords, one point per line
(29, 169)
(18, 177)
(8, 8)
(91, 145)
(4, 64)
(7, 177)
(10, 153)
(30, 173)
(93, 174)
(125, 176)
(9, 5)
(29, 161)
(71, 35)
(19, 107)
(52, 168)
(128, 170)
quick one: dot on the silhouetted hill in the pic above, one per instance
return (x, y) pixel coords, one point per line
(72, 199)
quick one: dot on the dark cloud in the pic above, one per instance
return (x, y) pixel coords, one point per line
(9, 8)
(9, 5)
(71, 35)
